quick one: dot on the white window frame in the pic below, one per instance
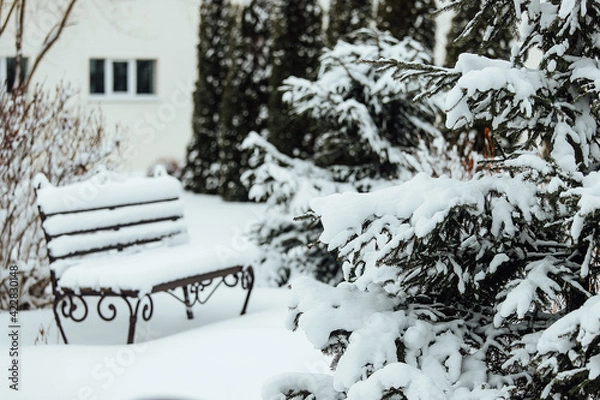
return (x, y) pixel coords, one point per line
(131, 93)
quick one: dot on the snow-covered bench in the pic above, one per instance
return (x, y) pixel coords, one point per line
(124, 239)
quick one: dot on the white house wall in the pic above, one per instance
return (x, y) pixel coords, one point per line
(164, 30)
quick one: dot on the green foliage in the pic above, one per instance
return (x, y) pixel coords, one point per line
(408, 18)
(290, 247)
(361, 117)
(369, 134)
(246, 94)
(200, 173)
(566, 375)
(346, 16)
(485, 288)
(461, 41)
(297, 42)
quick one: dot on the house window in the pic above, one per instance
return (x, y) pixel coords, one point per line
(97, 76)
(145, 70)
(122, 78)
(8, 71)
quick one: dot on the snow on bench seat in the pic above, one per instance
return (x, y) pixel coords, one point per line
(104, 190)
(67, 245)
(60, 224)
(146, 269)
(110, 212)
(115, 236)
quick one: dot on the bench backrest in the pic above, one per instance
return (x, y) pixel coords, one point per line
(108, 213)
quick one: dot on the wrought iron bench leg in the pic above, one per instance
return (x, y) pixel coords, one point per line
(248, 284)
(57, 300)
(147, 311)
(188, 307)
(131, 332)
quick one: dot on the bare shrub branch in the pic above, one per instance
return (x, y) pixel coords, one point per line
(40, 132)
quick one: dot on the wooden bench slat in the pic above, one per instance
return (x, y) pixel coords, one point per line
(113, 207)
(74, 245)
(105, 191)
(112, 228)
(118, 247)
(93, 220)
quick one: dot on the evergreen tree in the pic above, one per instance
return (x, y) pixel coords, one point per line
(462, 39)
(370, 133)
(287, 246)
(469, 42)
(297, 42)
(246, 95)
(200, 173)
(347, 16)
(362, 116)
(485, 288)
(408, 18)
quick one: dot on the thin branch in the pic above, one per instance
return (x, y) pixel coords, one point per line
(19, 43)
(49, 41)
(436, 78)
(10, 11)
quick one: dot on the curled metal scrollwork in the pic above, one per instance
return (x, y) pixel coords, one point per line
(68, 306)
(147, 308)
(247, 278)
(235, 279)
(200, 286)
(107, 309)
(200, 292)
(73, 305)
(111, 307)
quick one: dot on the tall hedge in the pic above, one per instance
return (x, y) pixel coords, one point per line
(297, 43)
(201, 169)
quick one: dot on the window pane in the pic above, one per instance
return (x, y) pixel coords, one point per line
(145, 76)
(96, 76)
(11, 71)
(120, 76)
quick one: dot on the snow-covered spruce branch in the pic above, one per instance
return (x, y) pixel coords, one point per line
(518, 246)
(519, 105)
(435, 79)
(288, 183)
(483, 230)
(416, 269)
(370, 116)
(289, 247)
(568, 353)
(369, 134)
(368, 331)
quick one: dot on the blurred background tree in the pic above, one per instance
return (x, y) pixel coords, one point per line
(201, 169)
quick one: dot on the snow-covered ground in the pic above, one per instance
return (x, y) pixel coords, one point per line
(218, 355)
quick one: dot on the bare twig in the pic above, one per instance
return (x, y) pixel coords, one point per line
(39, 133)
(49, 41)
(19, 42)
(10, 11)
